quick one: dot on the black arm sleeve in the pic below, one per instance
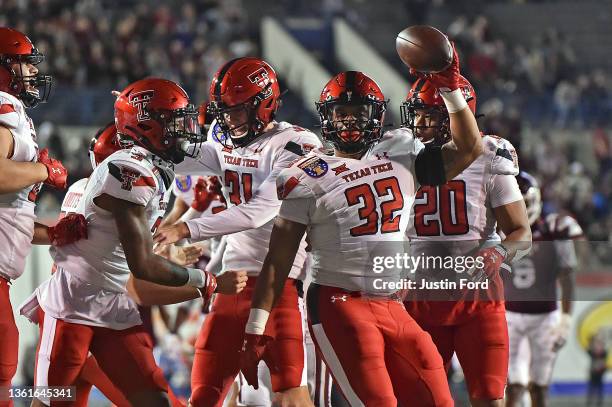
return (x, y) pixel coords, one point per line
(429, 166)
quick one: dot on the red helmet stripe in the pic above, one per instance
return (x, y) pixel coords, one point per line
(221, 75)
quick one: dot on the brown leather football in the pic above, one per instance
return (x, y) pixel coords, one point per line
(424, 48)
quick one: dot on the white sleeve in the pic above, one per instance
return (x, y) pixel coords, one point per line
(503, 190)
(297, 210)
(9, 117)
(206, 163)
(260, 209)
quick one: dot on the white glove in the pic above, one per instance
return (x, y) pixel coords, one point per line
(562, 331)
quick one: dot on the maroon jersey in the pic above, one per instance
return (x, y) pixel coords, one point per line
(531, 288)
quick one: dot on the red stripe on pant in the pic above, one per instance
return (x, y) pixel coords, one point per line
(375, 351)
(216, 360)
(9, 340)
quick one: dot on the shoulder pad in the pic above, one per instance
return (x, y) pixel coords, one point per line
(563, 226)
(396, 142)
(9, 111)
(130, 176)
(78, 186)
(504, 158)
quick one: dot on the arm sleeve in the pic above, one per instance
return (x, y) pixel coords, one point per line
(504, 190)
(9, 117)
(429, 166)
(297, 210)
(261, 208)
(206, 163)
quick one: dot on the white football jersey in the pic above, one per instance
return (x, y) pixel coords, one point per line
(356, 210)
(462, 209)
(17, 208)
(89, 286)
(248, 175)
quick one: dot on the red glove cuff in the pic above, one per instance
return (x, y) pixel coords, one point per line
(210, 286)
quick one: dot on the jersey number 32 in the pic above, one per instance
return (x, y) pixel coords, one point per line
(364, 195)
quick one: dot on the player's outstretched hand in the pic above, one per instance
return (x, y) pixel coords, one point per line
(231, 282)
(71, 228)
(181, 255)
(57, 173)
(253, 349)
(171, 234)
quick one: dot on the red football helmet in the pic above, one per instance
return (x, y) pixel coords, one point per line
(352, 110)
(157, 115)
(103, 144)
(244, 89)
(425, 99)
(16, 48)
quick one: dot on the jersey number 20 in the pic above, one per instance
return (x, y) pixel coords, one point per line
(448, 201)
(363, 194)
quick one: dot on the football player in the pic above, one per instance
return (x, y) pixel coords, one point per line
(531, 298)
(355, 205)
(103, 144)
(459, 219)
(23, 169)
(85, 303)
(246, 149)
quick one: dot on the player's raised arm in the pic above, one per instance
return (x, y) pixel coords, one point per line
(466, 144)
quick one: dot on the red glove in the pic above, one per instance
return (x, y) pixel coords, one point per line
(57, 174)
(202, 198)
(253, 349)
(492, 258)
(68, 230)
(448, 79)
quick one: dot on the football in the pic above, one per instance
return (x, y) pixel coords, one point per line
(424, 48)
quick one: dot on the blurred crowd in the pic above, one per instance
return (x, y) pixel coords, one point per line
(531, 90)
(91, 43)
(539, 73)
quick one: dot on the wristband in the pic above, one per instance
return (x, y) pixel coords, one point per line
(454, 100)
(197, 277)
(256, 324)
